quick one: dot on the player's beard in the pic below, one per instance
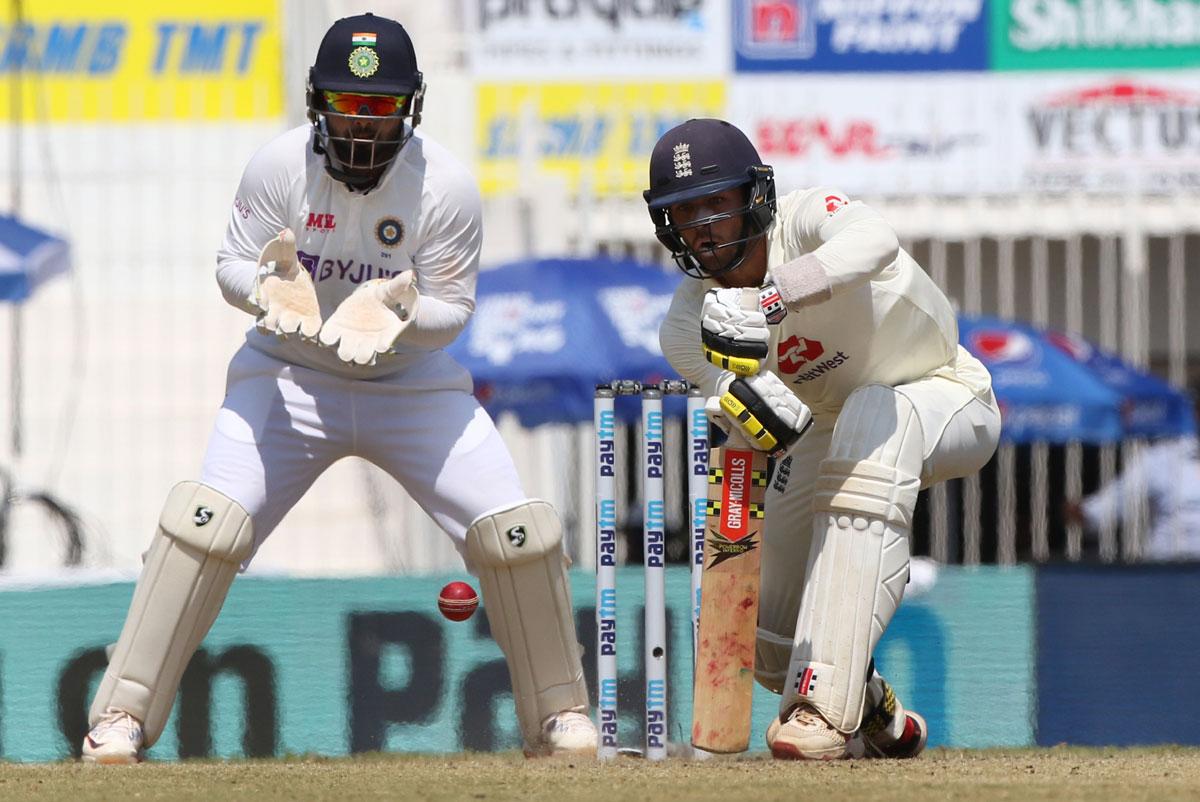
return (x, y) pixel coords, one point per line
(362, 153)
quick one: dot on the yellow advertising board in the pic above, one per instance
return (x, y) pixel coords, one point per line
(142, 60)
(595, 136)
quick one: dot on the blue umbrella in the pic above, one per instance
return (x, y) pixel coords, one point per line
(545, 332)
(1056, 388)
(1150, 407)
(28, 257)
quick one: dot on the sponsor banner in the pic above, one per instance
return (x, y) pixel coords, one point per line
(1136, 132)
(871, 134)
(1095, 623)
(190, 59)
(1094, 34)
(333, 667)
(598, 39)
(853, 36)
(595, 137)
(982, 133)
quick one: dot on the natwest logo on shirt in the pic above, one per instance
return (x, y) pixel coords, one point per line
(320, 222)
(796, 352)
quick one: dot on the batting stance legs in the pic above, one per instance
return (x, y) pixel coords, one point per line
(879, 457)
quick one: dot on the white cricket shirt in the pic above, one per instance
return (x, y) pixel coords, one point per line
(424, 214)
(886, 322)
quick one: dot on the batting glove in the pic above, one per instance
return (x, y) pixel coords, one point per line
(765, 412)
(733, 330)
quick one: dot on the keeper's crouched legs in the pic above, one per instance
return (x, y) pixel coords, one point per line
(517, 552)
(203, 536)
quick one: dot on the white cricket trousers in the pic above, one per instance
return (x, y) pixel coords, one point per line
(958, 435)
(282, 425)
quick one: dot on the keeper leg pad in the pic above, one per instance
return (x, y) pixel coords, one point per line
(203, 536)
(517, 553)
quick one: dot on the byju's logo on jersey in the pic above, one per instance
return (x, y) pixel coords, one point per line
(321, 223)
(796, 352)
(777, 29)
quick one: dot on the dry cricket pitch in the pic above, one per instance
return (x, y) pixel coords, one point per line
(1059, 773)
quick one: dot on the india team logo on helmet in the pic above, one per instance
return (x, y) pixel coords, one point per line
(364, 62)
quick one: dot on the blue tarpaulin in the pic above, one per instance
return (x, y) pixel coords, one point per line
(545, 332)
(1055, 387)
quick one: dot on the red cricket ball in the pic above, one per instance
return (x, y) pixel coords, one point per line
(458, 601)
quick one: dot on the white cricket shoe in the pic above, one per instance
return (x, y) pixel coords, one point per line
(566, 733)
(116, 739)
(803, 734)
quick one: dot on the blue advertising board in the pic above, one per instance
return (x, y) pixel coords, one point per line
(1117, 647)
(841, 36)
(342, 666)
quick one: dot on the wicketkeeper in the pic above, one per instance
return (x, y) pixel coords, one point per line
(850, 331)
(353, 312)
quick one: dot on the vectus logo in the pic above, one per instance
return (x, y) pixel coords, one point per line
(615, 12)
(1117, 119)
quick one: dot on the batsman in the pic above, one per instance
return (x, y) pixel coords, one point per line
(819, 340)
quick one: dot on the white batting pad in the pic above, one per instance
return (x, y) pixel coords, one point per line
(517, 552)
(203, 536)
(856, 577)
(858, 565)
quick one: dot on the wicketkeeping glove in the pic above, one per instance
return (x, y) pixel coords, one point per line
(763, 410)
(284, 291)
(367, 323)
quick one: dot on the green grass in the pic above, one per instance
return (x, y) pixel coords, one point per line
(979, 776)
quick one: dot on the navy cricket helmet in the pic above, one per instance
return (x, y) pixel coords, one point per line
(702, 157)
(366, 83)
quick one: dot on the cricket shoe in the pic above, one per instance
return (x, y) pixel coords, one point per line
(803, 734)
(116, 739)
(910, 743)
(566, 733)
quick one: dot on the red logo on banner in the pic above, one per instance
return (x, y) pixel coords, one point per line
(735, 495)
(796, 352)
(775, 21)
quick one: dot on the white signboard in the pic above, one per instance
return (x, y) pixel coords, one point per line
(981, 133)
(598, 39)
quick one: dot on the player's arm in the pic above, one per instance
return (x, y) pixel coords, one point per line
(680, 345)
(447, 266)
(257, 216)
(854, 244)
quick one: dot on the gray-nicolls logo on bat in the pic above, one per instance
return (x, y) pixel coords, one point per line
(516, 536)
(202, 516)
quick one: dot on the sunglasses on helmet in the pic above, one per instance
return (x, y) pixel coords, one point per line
(357, 103)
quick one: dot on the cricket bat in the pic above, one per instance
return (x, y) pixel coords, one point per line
(724, 681)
